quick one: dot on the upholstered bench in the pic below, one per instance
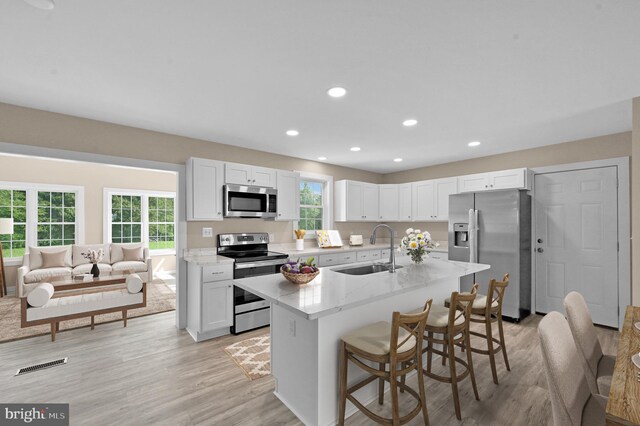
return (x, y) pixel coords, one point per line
(81, 304)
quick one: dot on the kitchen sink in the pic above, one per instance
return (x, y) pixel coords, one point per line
(365, 269)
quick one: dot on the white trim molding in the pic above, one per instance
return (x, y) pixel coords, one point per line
(32, 190)
(624, 225)
(106, 211)
(112, 160)
(327, 200)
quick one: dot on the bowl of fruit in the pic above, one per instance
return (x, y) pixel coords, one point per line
(300, 272)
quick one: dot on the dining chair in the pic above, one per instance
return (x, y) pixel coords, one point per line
(397, 345)
(572, 403)
(598, 368)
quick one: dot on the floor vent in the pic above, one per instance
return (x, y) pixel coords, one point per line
(42, 366)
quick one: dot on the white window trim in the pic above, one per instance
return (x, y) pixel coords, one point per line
(106, 218)
(327, 201)
(32, 211)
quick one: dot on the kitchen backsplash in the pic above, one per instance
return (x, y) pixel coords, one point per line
(283, 231)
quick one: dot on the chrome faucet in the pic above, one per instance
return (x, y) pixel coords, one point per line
(392, 254)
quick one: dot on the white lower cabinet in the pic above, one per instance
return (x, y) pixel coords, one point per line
(329, 259)
(209, 300)
(348, 257)
(368, 255)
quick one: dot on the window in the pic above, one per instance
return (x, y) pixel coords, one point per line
(126, 218)
(13, 203)
(315, 199)
(161, 223)
(311, 205)
(140, 216)
(56, 218)
(43, 215)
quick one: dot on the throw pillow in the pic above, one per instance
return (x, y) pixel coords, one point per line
(135, 254)
(53, 259)
(40, 295)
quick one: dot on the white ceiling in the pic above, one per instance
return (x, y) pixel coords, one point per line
(512, 73)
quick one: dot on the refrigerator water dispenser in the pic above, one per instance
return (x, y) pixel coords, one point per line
(461, 234)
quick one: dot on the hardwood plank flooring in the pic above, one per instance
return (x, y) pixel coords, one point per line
(151, 373)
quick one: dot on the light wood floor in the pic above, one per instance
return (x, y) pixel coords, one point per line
(151, 373)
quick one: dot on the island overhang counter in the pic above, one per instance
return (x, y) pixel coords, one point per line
(308, 320)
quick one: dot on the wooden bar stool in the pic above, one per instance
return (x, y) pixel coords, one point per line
(487, 313)
(453, 324)
(487, 310)
(398, 343)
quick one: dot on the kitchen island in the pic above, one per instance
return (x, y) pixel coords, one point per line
(307, 322)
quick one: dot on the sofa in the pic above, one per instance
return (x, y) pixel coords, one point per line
(68, 261)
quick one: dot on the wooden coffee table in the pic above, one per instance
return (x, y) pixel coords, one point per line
(81, 282)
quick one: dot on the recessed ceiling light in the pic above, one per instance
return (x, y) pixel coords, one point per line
(292, 132)
(41, 4)
(410, 122)
(355, 148)
(322, 158)
(397, 160)
(474, 143)
(337, 92)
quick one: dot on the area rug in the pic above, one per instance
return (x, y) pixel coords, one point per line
(252, 356)
(160, 298)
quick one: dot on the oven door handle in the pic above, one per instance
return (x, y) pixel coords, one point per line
(246, 265)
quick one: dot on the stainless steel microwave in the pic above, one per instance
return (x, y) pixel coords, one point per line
(250, 201)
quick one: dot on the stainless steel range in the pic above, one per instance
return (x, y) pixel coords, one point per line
(252, 258)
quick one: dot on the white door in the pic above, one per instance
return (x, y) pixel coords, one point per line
(404, 202)
(355, 201)
(288, 196)
(370, 202)
(444, 188)
(576, 241)
(217, 305)
(238, 174)
(423, 200)
(507, 179)
(388, 202)
(205, 190)
(473, 183)
(261, 176)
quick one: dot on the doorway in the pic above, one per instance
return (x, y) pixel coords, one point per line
(576, 240)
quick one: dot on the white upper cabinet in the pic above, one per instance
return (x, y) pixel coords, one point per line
(405, 206)
(504, 179)
(508, 179)
(288, 195)
(473, 183)
(389, 202)
(262, 176)
(431, 199)
(423, 200)
(242, 174)
(356, 201)
(204, 189)
(443, 188)
(370, 202)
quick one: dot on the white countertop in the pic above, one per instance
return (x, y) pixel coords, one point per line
(311, 248)
(208, 256)
(205, 257)
(332, 291)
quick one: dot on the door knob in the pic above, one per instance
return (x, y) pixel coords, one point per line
(540, 249)
(539, 240)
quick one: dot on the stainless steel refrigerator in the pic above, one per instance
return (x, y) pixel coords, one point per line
(501, 237)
